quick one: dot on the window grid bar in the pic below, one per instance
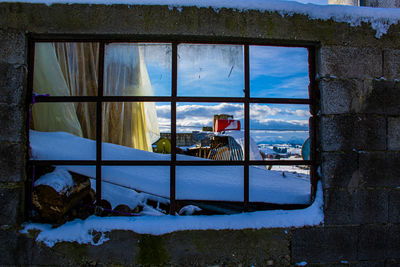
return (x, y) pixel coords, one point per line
(313, 93)
(40, 38)
(246, 129)
(169, 99)
(174, 90)
(168, 162)
(99, 122)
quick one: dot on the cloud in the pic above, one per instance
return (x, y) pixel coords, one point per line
(197, 115)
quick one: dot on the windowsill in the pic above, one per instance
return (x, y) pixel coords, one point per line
(82, 231)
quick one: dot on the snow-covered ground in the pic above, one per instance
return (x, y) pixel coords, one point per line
(220, 183)
(380, 19)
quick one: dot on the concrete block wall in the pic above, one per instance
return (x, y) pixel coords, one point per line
(358, 150)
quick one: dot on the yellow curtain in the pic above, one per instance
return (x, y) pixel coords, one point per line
(132, 124)
(48, 79)
(65, 69)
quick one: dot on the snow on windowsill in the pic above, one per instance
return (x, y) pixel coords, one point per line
(81, 231)
(379, 18)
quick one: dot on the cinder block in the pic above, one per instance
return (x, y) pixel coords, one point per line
(12, 47)
(12, 167)
(12, 205)
(12, 83)
(355, 207)
(389, 91)
(369, 263)
(394, 206)
(324, 244)
(380, 169)
(8, 246)
(339, 169)
(391, 69)
(392, 262)
(12, 123)
(393, 133)
(392, 243)
(351, 62)
(337, 95)
(353, 132)
(372, 242)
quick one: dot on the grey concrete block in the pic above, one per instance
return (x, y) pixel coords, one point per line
(339, 169)
(12, 157)
(391, 68)
(352, 132)
(247, 247)
(12, 203)
(393, 139)
(394, 206)
(379, 169)
(369, 263)
(324, 244)
(372, 242)
(351, 62)
(12, 47)
(12, 123)
(12, 83)
(7, 248)
(337, 95)
(392, 242)
(357, 207)
(392, 262)
(390, 93)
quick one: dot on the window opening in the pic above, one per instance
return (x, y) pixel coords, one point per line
(181, 128)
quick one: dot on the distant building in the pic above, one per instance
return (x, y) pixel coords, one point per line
(370, 3)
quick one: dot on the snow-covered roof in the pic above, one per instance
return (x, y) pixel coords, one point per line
(380, 18)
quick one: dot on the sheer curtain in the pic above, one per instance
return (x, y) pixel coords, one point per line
(70, 69)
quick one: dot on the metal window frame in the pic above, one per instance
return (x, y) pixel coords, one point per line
(103, 40)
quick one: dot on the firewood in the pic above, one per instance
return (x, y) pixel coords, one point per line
(57, 193)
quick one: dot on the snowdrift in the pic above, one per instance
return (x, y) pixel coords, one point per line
(219, 183)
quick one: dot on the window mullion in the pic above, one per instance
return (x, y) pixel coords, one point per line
(246, 128)
(173, 129)
(99, 121)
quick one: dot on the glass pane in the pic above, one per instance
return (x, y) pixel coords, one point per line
(135, 130)
(211, 183)
(213, 131)
(210, 70)
(137, 186)
(280, 184)
(137, 69)
(63, 131)
(278, 131)
(278, 72)
(66, 69)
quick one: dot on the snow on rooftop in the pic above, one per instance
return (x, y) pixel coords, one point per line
(82, 231)
(379, 18)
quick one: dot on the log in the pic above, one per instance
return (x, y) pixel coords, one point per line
(57, 192)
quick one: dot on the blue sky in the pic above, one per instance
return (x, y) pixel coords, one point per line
(318, 2)
(217, 70)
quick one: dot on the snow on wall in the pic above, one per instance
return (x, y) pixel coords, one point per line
(81, 231)
(380, 19)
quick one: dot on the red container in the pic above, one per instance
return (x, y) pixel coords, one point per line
(226, 125)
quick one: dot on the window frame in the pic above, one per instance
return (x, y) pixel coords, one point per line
(246, 100)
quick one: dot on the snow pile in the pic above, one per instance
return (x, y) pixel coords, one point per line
(82, 231)
(60, 179)
(220, 183)
(379, 18)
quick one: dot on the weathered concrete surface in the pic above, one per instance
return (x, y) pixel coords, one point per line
(358, 138)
